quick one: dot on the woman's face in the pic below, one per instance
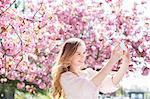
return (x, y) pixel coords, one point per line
(79, 56)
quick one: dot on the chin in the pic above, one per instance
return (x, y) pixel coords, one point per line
(81, 65)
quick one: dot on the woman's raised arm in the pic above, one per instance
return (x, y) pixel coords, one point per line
(123, 68)
(115, 56)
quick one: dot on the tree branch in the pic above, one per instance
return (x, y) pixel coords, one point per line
(38, 10)
(8, 7)
(21, 48)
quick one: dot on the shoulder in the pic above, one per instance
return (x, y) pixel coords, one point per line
(68, 73)
(67, 76)
(90, 72)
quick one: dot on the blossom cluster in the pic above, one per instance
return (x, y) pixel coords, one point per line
(32, 31)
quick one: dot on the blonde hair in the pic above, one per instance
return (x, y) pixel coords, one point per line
(63, 65)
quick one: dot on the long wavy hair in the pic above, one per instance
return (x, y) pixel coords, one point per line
(63, 65)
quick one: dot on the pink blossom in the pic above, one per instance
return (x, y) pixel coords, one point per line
(145, 71)
(20, 85)
(2, 71)
(37, 32)
(42, 85)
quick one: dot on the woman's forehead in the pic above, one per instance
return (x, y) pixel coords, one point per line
(81, 48)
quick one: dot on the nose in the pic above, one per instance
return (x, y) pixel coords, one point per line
(83, 57)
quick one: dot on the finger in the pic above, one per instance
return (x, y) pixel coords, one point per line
(116, 43)
(117, 46)
(128, 50)
(119, 49)
(127, 54)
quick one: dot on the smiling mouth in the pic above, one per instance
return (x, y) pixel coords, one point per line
(81, 61)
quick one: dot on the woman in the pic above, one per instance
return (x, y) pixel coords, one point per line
(70, 82)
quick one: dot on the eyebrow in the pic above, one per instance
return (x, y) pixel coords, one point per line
(83, 52)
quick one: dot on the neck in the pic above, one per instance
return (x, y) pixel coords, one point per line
(74, 70)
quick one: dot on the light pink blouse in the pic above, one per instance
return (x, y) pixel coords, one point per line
(80, 87)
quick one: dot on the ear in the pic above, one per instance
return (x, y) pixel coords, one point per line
(70, 60)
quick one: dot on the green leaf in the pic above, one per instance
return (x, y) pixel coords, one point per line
(0, 39)
(16, 6)
(39, 65)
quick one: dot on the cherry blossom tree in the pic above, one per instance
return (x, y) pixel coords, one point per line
(31, 32)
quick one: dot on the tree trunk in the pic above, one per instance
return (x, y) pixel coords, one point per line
(7, 91)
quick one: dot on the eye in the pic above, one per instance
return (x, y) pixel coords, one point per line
(79, 54)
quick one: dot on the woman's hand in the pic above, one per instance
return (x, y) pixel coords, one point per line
(126, 59)
(117, 53)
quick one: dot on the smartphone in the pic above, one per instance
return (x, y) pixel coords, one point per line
(123, 47)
